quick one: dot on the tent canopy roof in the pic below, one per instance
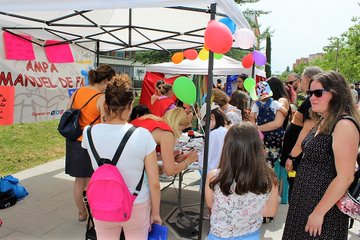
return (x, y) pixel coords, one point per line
(224, 66)
(118, 25)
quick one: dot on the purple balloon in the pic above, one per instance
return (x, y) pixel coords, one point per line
(259, 58)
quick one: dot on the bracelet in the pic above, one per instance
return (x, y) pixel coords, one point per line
(291, 157)
(186, 163)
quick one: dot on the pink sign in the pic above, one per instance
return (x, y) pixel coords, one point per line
(58, 53)
(7, 94)
(17, 48)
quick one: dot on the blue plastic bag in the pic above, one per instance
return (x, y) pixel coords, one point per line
(10, 182)
(158, 232)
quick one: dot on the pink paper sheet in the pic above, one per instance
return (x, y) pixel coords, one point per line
(17, 48)
(58, 53)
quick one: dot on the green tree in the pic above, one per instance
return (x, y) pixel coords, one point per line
(341, 54)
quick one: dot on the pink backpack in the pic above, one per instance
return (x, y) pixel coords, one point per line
(108, 196)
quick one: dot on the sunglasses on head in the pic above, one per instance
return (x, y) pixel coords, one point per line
(317, 92)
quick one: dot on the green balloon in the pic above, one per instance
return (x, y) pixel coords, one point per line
(218, 56)
(185, 90)
(249, 84)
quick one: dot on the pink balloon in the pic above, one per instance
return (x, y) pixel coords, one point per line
(259, 58)
(244, 38)
(248, 61)
(191, 54)
(218, 37)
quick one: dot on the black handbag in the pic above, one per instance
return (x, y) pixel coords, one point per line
(7, 199)
(69, 126)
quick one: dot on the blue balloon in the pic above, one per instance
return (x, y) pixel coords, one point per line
(229, 23)
(84, 72)
(86, 76)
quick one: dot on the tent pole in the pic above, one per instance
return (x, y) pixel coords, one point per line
(253, 71)
(97, 53)
(207, 127)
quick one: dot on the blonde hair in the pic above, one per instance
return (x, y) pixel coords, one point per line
(220, 97)
(122, 77)
(176, 117)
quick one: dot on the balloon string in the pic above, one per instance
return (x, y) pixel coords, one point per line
(199, 120)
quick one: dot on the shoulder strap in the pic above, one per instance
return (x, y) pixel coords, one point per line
(73, 98)
(89, 100)
(122, 145)
(92, 147)
(348, 118)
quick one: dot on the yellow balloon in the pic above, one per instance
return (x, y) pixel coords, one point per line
(204, 54)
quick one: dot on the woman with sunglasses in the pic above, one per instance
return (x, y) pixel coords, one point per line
(328, 163)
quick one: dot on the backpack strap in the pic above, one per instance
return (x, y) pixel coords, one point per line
(92, 147)
(73, 99)
(89, 100)
(122, 145)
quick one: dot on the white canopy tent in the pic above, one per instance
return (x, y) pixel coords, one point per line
(118, 25)
(225, 66)
(122, 25)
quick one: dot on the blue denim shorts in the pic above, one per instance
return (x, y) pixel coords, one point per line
(250, 236)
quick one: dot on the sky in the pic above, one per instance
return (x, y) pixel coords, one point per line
(302, 27)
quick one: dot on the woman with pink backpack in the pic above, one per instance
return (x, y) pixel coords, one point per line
(138, 155)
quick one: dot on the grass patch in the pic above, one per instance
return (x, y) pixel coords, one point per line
(26, 145)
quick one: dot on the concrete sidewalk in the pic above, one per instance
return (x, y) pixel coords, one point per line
(49, 211)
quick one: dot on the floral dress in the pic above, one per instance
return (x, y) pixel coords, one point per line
(273, 140)
(236, 215)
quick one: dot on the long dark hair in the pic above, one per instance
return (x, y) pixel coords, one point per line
(279, 91)
(278, 88)
(341, 101)
(243, 162)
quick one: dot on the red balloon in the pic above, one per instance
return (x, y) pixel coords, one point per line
(191, 54)
(248, 61)
(218, 37)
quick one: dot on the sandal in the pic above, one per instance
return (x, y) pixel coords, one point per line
(82, 216)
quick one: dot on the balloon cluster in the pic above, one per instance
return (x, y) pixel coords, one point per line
(254, 57)
(225, 28)
(218, 38)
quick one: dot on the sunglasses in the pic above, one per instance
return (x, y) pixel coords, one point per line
(291, 82)
(317, 93)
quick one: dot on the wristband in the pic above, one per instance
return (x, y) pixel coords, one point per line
(291, 157)
(186, 163)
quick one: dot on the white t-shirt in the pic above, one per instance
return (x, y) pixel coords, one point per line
(216, 143)
(275, 106)
(233, 114)
(107, 137)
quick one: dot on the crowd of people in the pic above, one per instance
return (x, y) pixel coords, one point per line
(291, 146)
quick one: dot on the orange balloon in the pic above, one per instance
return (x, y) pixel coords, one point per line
(177, 57)
(206, 47)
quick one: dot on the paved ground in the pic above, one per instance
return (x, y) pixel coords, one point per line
(49, 212)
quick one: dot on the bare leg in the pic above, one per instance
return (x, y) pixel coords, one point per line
(80, 185)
